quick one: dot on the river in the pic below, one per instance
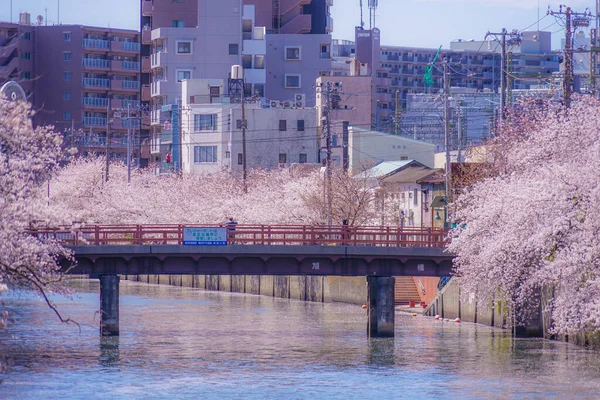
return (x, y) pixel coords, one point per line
(189, 343)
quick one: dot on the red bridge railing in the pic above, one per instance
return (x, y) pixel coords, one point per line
(298, 235)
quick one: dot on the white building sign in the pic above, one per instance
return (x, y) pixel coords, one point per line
(205, 236)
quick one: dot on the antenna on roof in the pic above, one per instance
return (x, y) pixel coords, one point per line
(362, 23)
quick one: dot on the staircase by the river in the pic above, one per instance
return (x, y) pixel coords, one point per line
(405, 290)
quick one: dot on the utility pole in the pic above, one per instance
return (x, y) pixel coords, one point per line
(108, 115)
(593, 59)
(447, 135)
(328, 155)
(397, 112)
(244, 126)
(459, 135)
(514, 37)
(572, 19)
(128, 145)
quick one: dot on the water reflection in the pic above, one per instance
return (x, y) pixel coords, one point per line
(188, 343)
(109, 351)
(381, 352)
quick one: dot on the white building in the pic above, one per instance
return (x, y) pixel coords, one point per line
(212, 132)
(366, 148)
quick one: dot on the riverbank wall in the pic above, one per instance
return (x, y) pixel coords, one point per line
(345, 289)
(449, 304)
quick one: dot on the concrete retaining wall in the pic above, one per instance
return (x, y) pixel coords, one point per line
(308, 288)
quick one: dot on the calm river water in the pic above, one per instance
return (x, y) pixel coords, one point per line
(188, 343)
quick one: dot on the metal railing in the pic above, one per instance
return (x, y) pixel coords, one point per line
(131, 46)
(288, 235)
(94, 102)
(96, 82)
(95, 62)
(94, 121)
(96, 43)
(131, 65)
(130, 84)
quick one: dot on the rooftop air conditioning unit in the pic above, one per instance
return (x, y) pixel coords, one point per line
(274, 104)
(287, 104)
(300, 100)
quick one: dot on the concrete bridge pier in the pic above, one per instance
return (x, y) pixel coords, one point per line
(109, 305)
(380, 298)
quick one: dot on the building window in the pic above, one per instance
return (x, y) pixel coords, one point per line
(300, 125)
(177, 23)
(282, 158)
(292, 53)
(26, 56)
(238, 124)
(66, 95)
(416, 197)
(240, 159)
(292, 81)
(227, 154)
(247, 61)
(184, 74)
(67, 36)
(67, 76)
(233, 49)
(184, 47)
(282, 125)
(26, 75)
(67, 115)
(259, 61)
(67, 56)
(205, 154)
(259, 89)
(26, 36)
(205, 122)
(303, 159)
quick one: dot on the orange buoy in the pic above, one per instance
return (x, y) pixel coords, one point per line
(457, 320)
(437, 316)
(364, 306)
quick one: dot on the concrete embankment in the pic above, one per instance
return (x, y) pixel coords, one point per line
(344, 289)
(448, 304)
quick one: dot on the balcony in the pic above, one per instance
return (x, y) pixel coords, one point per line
(125, 66)
(159, 59)
(158, 87)
(94, 121)
(124, 46)
(146, 93)
(96, 83)
(124, 123)
(116, 84)
(146, 36)
(146, 66)
(94, 102)
(95, 63)
(98, 44)
(157, 117)
(123, 103)
(146, 7)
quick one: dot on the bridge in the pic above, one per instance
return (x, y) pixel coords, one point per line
(379, 253)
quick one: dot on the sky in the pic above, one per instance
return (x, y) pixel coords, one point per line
(415, 23)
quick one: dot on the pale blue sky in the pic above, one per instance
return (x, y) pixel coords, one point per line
(417, 23)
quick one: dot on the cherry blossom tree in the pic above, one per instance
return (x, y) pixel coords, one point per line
(533, 223)
(28, 158)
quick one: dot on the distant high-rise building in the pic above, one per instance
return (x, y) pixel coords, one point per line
(80, 79)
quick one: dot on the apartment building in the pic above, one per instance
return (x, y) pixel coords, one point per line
(16, 53)
(477, 66)
(85, 79)
(80, 79)
(283, 47)
(211, 132)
